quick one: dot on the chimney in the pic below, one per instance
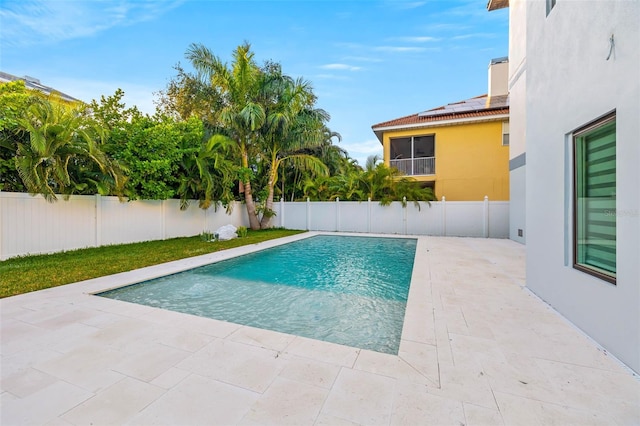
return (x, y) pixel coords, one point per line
(499, 77)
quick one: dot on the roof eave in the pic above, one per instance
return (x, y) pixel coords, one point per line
(495, 117)
(497, 4)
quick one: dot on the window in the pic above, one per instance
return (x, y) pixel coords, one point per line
(595, 198)
(414, 155)
(550, 5)
(505, 133)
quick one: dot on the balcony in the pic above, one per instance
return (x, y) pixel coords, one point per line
(415, 166)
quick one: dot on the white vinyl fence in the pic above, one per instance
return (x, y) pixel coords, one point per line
(30, 225)
(489, 219)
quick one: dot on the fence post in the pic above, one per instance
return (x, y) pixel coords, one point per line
(338, 214)
(369, 215)
(444, 217)
(162, 219)
(308, 214)
(485, 217)
(98, 220)
(281, 212)
(404, 215)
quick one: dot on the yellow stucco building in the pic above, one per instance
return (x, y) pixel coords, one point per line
(460, 149)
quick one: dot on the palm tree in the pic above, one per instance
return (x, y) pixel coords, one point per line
(377, 180)
(207, 174)
(292, 124)
(241, 114)
(61, 140)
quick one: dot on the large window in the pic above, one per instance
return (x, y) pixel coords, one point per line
(414, 155)
(595, 198)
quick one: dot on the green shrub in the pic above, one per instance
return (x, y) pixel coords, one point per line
(241, 231)
(208, 236)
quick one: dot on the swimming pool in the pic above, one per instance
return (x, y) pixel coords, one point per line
(342, 289)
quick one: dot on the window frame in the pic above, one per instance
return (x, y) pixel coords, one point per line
(583, 131)
(505, 133)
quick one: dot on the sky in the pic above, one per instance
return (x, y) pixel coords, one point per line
(368, 61)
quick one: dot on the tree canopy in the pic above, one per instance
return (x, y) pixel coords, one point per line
(227, 131)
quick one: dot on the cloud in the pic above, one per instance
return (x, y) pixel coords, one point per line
(330, 77)
(28, 22)
(417, 39)
(474, 35)
(340, 67)
(361, 150)
(399, 49)
(363, 58)
(406, 5)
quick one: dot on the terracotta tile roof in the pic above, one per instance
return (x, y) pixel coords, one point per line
(479, 106)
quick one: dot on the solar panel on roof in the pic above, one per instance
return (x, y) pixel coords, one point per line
(470, 105)
(473, 104)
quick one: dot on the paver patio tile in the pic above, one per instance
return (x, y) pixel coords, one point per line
(391, 366)
(590, 389)
(208, 326)
(418, 323)
(361, 397)
(86, 366)
(517, 374)
(287, 402)
(184, 340)
(262, 338)
(308, 371)
(323, 351)
(19, 336)
(27, 382)
(327, 420)
(423, 358)
(197, 400)
(20, 362)
(150, 362)
(476, 415)
(518, 411)
(126, 334)
(42, 406)
(115, 404)
(413, 405)
(466, 383)
(238, 364)
(170, 378)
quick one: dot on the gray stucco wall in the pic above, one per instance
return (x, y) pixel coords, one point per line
(517, 214)
(570, 83)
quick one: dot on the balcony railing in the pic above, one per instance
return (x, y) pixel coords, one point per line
(415, 166)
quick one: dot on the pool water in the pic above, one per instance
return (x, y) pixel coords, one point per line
(346, 290)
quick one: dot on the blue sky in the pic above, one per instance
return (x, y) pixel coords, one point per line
(369, 61)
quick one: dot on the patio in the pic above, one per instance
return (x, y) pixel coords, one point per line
(477, 349)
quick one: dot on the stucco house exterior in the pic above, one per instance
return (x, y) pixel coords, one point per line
(575, 97)
(461, 150)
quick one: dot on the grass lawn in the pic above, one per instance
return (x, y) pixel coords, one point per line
(30, 273)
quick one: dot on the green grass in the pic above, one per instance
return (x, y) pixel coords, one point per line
(30, 273)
